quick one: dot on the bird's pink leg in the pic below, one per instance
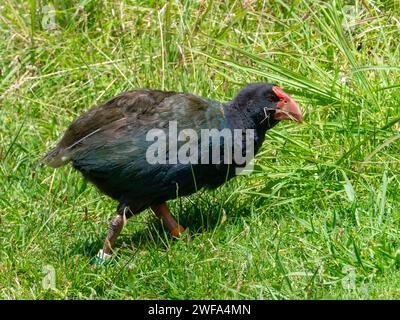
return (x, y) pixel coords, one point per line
(162, 211)
(114, 229)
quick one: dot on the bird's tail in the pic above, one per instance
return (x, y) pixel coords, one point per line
(55, 158)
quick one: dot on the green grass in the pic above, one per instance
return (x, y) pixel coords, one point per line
(325, 195)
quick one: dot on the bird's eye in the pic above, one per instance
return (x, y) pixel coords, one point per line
(270, 97)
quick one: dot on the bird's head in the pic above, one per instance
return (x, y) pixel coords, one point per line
(267, 104)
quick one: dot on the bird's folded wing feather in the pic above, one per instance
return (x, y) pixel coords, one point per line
(114, 133)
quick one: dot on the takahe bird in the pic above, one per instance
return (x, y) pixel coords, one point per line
(110, 146)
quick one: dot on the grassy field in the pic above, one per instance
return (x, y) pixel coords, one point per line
(318, 219)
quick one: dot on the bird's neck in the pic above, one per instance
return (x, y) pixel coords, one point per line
(238, 119)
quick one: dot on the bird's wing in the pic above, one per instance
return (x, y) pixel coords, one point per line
(104, 121)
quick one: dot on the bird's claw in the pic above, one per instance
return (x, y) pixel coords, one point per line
(101, 259)
(183, 234)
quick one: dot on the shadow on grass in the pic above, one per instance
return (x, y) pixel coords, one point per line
(202, 213)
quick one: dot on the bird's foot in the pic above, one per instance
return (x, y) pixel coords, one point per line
(101, 258)
(177, 231)
(181, 233)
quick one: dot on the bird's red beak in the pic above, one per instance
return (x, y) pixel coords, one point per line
(287, 108)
